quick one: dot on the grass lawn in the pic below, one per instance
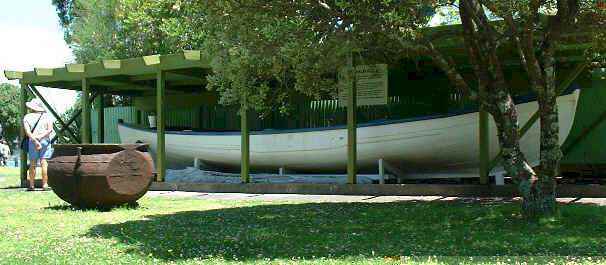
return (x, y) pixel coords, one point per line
(39, 228)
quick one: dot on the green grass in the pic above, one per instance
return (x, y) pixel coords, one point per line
(9, 177)
(38, 228)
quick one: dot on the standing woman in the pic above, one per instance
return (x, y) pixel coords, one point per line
(38, 127)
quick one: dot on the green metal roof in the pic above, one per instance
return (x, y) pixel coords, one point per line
(184, 71)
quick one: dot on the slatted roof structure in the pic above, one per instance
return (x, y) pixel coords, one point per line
(184, 71)
(151, 75)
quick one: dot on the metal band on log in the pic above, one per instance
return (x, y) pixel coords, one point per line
(100, 175)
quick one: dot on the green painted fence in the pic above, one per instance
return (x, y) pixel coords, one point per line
(112, 115)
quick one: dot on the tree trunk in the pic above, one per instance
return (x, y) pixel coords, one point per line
(482, 50)
(514, 161)
(541, 198)
(542, 201)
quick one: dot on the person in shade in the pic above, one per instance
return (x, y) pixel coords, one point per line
(5, 152)
(38, 126)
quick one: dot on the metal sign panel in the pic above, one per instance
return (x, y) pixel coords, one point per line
(371, 85)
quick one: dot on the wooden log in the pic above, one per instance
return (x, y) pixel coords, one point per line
(100, 175)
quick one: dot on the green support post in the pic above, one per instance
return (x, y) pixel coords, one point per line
(245, 145)
(22, 153)
(351, 125)
(484, 146)
(86, 108)
(100, 118)
(160, 126)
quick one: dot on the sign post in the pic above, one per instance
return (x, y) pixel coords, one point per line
(371, 86)
(366, 85)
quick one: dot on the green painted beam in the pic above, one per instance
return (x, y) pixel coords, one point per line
(170, 77)
(37, 93)
(160, 125)
(22, 154)
(484, 134)
(99, 106)
(120, 84)
(352, 155)
(69, 123)
(535, 116)
(86, 110)
(13, 75)
(126, 67)
(245, 145)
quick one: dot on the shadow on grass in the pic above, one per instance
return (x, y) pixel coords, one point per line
(11, 188)
(68, 207)
(340, 230)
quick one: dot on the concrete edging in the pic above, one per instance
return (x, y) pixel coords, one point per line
(564, 190)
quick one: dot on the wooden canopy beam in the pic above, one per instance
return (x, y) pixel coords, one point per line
(119, 84)
(484, 140)
(13, 75)
(169, 76)
(99, 106)
(127, 67)
(245, 144)
(160, 125)
(352, 155)
(86, 127)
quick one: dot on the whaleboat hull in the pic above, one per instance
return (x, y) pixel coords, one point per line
(444, 143)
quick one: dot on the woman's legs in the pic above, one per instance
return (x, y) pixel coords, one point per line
(44, 166)
(32, 173)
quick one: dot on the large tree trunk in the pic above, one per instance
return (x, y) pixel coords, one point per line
(543, 191)
(482, 48)
(542, 199)
(514, 161)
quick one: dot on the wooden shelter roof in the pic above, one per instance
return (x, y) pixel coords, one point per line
(184, 71)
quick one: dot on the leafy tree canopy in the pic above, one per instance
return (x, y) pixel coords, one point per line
(9, 110)
(110, 29)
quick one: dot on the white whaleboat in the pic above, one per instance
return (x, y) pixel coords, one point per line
(422, 147)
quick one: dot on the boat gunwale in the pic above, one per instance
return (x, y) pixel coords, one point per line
(518, 100)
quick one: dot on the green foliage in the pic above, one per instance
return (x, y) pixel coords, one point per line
(272, 51)
(65, 13)
(9, 110)
(263, 49)
(598, 20)
(110, 29)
